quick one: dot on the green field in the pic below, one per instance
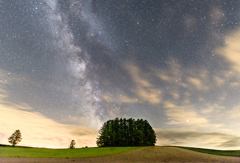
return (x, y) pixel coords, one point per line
(113, 154)
(60, 153)
(215, 152)
(122, 154)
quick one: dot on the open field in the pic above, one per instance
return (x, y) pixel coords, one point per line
(142, 154)
(60, 153)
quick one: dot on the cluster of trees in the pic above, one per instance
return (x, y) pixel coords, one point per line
(126, 132)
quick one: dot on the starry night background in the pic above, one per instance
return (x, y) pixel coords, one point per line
(66, 67)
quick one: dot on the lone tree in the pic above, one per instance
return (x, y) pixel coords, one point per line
(72, 144)
(126, 132)
(15, 138)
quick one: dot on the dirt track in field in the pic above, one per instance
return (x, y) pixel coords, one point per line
(147, 154)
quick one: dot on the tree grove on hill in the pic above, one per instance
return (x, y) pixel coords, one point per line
(126, 132)
(15, 138)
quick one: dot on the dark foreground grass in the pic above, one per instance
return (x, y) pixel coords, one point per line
(61, 153)
(215, 152)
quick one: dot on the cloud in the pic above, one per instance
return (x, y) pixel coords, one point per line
(127, 99)
(231, 50)
(197, 83)
(187, 117)
(193, 98)
(231, 119)
(184, 115)
(183, 94)
(232, 143)
(219, 81)
(3, 92)
(40, 131)
(207, 111)
(143, 88)
(190, 138)
(107, 98)
(178, 77)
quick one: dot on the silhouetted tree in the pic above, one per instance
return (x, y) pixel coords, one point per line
(15, 138)
(72, 144)
(126, 132)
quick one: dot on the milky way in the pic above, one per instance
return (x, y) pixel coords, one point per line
(80, 63)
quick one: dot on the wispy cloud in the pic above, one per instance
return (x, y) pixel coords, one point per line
(40, 131)
(230, 51)
(190, 138)
(143, 88)
(184, 115)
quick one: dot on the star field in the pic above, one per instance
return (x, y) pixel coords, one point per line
(72, 65)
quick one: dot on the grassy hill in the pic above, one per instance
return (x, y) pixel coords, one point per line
(113, 154)
(7, 151)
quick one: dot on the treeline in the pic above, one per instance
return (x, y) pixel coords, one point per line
(126, 132)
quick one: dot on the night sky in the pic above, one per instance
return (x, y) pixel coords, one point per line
(68, 66)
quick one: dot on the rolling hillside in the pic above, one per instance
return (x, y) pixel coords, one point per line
(143, 154)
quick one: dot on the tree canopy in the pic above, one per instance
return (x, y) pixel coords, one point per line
(126, 132)
(15, 138)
